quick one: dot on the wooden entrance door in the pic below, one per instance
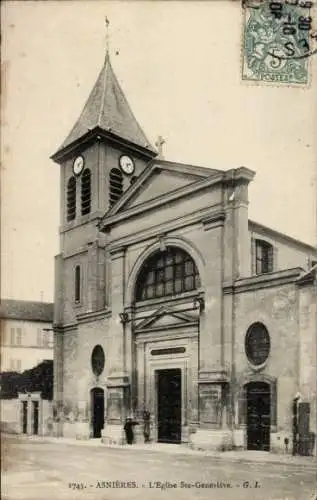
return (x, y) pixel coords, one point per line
(258, 416)
(24, 415)
(169, 405)
(35, 405)
(98, 407)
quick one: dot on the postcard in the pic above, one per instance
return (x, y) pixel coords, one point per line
(159, 228)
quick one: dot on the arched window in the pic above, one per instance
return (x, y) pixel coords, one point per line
(264, 257)
(71, 199)
(116, 185)
(86, 192)
(257, 344)
(77, 284)
(167, 273)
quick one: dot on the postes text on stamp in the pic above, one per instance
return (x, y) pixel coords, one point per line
(279, 37)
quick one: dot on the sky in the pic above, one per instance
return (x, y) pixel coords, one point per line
(179, 64)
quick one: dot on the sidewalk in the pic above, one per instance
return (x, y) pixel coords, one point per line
(174, 449)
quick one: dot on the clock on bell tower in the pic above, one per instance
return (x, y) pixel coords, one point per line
(103, 154)
(101, 157)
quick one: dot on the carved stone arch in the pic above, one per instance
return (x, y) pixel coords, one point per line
(179, 242)
(243, 381)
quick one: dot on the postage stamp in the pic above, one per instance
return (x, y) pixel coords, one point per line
(278, 38)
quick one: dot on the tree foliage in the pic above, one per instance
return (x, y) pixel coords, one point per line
(37, 379)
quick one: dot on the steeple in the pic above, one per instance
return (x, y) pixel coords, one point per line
(108, 110)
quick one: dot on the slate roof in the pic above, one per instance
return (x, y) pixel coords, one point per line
(108, 108)
(26, 310)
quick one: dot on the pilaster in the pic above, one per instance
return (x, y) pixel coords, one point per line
(92, 277)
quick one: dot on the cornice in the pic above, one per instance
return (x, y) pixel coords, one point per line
(58, 328)
(117, 252)
(261, 281)
(163, 328)
(81, 319)
(81, 221)
(145, 337)
(167, 227)
(239, 174)
(153, 304)
(96, 134)
(81, 250)
(91, 316)
(214, 220)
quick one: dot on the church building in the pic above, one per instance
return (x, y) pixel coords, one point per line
(170, 300)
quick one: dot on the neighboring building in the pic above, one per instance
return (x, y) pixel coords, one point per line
(168, 298)
(26, 400)
(26, 334)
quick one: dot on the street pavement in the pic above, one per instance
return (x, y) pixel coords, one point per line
(37, 469)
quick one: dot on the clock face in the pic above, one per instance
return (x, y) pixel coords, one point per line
(127, 164)
(78, 165)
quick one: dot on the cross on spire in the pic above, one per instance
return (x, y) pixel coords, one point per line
(107, 22)
(159, 144)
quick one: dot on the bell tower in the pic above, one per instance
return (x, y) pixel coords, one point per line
(104, 153)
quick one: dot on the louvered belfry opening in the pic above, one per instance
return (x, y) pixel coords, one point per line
(71, 199)
(86, 192)
(116, 186)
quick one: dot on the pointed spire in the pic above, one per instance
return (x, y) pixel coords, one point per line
(108, 108)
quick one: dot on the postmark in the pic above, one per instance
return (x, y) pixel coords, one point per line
(279, 37)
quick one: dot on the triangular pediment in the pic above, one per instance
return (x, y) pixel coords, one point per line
(160, 183)
(158, 180)
(164, 318)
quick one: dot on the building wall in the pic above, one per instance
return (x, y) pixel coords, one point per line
(308, 350)
(287, 253)
(215, 232)
(24, 344)
(11, 415)
(277, 309)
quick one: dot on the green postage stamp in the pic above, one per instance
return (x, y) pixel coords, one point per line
(279, 38)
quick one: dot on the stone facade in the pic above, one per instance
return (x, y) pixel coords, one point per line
(197, 335)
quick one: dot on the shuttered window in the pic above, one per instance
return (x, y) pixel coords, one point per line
(116, 186)
(71, 199)
(86, 192)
